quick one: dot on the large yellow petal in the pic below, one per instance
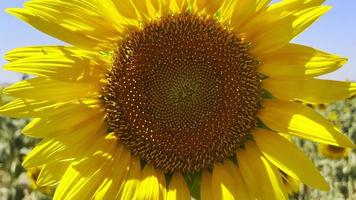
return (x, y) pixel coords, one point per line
(46, 89)
(69, 51)
(178, 189)
(224, 186)
(273, 29)
(110, 11)
(307, 62)
(282, 7)
(227, 182)
(148, 10)
(208, 7)
(310, 90)
(296, 119)
(173, 6)
(275, 12)
(61, 123)
(242, 10)
(112, 185)
(70, 146)
(31, 108)
(59, 63)
(249, 177)
(149, 185)
(262, 179)
(43, 153)
(33, 51)
(51, 173)
(236, 174)
(162, 184)
(132, 181)
(206, 191)
(86, 24)
(127, 9)
(42, 109)
(83, 178)
(288, 158)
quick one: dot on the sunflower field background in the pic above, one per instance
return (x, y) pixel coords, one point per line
(18, 183)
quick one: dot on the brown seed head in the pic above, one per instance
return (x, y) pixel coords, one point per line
(183, 93)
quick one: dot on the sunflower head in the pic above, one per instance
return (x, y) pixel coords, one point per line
(186, 89)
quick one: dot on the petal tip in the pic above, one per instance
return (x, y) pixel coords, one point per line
(7, 56)
(26, 163)
(326, 8)
(324, 186)
(6, 91)
(6, 66)
(343, 61)
(12, 11)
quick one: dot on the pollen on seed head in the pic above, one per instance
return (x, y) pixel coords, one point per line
(183, 93)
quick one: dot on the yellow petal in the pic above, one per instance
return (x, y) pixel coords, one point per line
(71, 145)
(307, 62)
(206, 191)
(210, 7)
(47, 89)
(79, 23)
(224, 186)
(110, 11)
(288, 158)
(296, 119)
(41, 152)
(83, 178)
(178, 189)
(148, 9)
(51, 173)
(227, 182)
(276, 12)
(310, 90)
(249, 177)
(60, 123)
(235, 172)
(42, 109)
(38, 51)
(33, 51)
(117, 175)
(149, 186)
(54, 30)
(290, 6)
(262, 179)
(30, 108)
(276, 30)
(132, 181)
(127, 9)
(162, 184)
(59, 63)
(242, 10)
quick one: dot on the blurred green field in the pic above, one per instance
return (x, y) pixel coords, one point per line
(16, 183)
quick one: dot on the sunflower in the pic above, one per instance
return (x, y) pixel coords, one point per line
(173, 99)
(333, 152)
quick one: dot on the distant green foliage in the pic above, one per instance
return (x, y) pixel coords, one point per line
(14, 183)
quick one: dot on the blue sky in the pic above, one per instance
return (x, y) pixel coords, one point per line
(335, 32)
